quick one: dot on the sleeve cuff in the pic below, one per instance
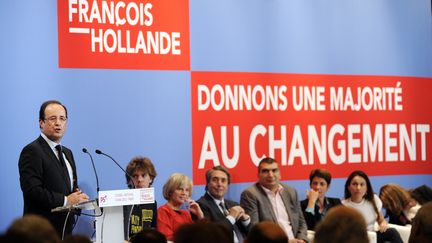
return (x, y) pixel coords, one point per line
(231, 219)
(246, 222)
(310, 210)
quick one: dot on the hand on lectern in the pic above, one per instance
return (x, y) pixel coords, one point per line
(77, 197)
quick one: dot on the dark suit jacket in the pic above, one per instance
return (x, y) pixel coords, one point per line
(313, 219)
(255, 202)
(213, 213)
(43, 182)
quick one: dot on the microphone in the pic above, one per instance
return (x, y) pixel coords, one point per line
(127, 174)
(94, 169)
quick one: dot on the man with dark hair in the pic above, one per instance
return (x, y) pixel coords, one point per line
(47, 170)
(342, 224)
(268, 232)
(270, 200)
(35, 228)
(218, 209)
(316, 205)
(202, 232)
(148, 235)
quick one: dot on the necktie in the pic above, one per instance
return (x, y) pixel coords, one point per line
(224, 209)
(237, 231)
(63, 164)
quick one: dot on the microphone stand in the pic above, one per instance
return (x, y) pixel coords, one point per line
(127, 174)
(94, 169)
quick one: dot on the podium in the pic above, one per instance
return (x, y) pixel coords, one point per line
(89, 205)
(109, 226)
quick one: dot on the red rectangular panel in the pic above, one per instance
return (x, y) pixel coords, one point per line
(126, 34)
(379, 124)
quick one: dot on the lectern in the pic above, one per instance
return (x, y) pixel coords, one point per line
(109, 226)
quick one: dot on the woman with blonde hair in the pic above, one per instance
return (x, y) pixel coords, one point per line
(177, 191)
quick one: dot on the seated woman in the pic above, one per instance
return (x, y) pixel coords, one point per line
(400, 206)
(359, 195)
(139, 217)
(177, 191)
(316, 206)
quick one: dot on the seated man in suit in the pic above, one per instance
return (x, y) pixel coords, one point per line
(316, 205)
(270, 200)
(220, 210)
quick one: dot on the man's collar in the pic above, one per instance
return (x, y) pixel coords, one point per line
(216, 200)
(51, 143)
(266, 190)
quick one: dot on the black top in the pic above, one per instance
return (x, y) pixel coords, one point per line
(142, 216)
(313, 219)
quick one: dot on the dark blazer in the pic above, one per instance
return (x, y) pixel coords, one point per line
(313, 219)
(43, 182)
(213, 213)
(255, 202)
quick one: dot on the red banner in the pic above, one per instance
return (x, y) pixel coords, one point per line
(126, 34)
(378, 124)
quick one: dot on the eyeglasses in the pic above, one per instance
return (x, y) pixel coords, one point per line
(53, 119)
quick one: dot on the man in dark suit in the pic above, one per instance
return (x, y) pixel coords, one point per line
(47, 170)
(220, 210)
(270, 200)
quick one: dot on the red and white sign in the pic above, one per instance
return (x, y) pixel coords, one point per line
(126, 34)
(126, 197)
(378, 124)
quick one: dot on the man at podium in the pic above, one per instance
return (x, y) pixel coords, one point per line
(138, 217)
(47, 170)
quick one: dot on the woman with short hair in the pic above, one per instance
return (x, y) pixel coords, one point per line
(177, 191)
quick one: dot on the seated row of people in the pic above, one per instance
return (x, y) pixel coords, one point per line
(266, 200)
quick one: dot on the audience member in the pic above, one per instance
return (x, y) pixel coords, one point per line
(35, 228)
(342, 224)
(218, 209)
(360, 195)
(270, 200)
(422, 194)
(77, 239)
(15, 238)
(268, 232)
(148, 235)
(316, 205)
(400, 206)
(177, 191)
(203, 232)
(139, 217)
(421, 230)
